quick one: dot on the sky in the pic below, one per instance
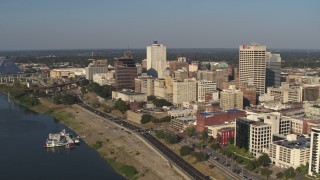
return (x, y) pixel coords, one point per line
(119, 24)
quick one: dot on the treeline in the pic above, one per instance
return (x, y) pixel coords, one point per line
(146, 118)
(159, 102)
(102, 91)
(187, 150)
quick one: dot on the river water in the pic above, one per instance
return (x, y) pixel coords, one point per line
(22, 156)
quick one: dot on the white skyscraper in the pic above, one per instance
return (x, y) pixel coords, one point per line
(252, 66)
(314, 162)
(156, 59)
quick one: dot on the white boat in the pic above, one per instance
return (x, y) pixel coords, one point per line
(59, 139)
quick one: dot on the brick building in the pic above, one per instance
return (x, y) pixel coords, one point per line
(218, 117)
(224, 135)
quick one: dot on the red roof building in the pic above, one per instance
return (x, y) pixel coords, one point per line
(218, 117)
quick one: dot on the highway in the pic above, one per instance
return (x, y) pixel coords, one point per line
(173, 157)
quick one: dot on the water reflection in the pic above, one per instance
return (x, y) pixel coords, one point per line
(59, 150)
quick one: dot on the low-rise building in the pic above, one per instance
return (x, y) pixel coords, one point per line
(67, 72)
(224, 135)
(104, 78)
(292, 152)
(311, 109)
(205, 119)
(177, 113)
(286, 92)
(129, 95)
(181, 123)
(213, 130)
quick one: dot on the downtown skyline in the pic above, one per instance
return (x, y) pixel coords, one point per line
(38, 25)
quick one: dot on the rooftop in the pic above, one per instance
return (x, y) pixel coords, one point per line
(210, 114)
(301, 143)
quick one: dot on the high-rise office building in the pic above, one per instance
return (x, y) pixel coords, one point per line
(252, 66)
(314, 162)
(125, 71)
(273, 70)
(156, 59)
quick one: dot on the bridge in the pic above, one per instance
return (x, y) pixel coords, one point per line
(21, 77)
(39, 87)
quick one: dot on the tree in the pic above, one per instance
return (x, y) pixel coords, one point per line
(200, 156)
(56, 99)
(84, 82)
(185, 150)
(68, 99)
(289, 173)
(190, 131)
(279, 175)
(146, 118)
(231, 140)
(215, 146)
(265, 172)
(121, 105)
(264, 160)
(204, 136)
(250, 165)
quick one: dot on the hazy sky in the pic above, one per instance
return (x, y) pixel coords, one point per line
(74, 24)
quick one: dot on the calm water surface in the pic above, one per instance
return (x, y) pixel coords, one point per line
(22, 156)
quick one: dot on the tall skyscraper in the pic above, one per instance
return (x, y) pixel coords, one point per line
(252, 66)
(273, 70)
(156, 59)
(125, 71)
(314, 162)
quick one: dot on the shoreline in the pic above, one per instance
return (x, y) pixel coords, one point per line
(124, 152)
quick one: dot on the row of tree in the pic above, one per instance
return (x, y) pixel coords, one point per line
(102, 91)
(187, 150)
(159, 102)
(146, 118)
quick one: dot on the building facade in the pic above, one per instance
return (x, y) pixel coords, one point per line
(286, 93)
(144, 84)
(184, 91)
(252, 66)
(273, 70)
(125, 71)
(260, 137)
(218, 76)
(156, 59)
(206, 119)
(96, 67)
(314, 161)
(204, 87)
(290, 153)
(231, 99)
(223, 135)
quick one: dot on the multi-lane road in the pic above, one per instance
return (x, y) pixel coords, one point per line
(173, 157)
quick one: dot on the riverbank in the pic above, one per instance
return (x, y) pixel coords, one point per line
(128, 155)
